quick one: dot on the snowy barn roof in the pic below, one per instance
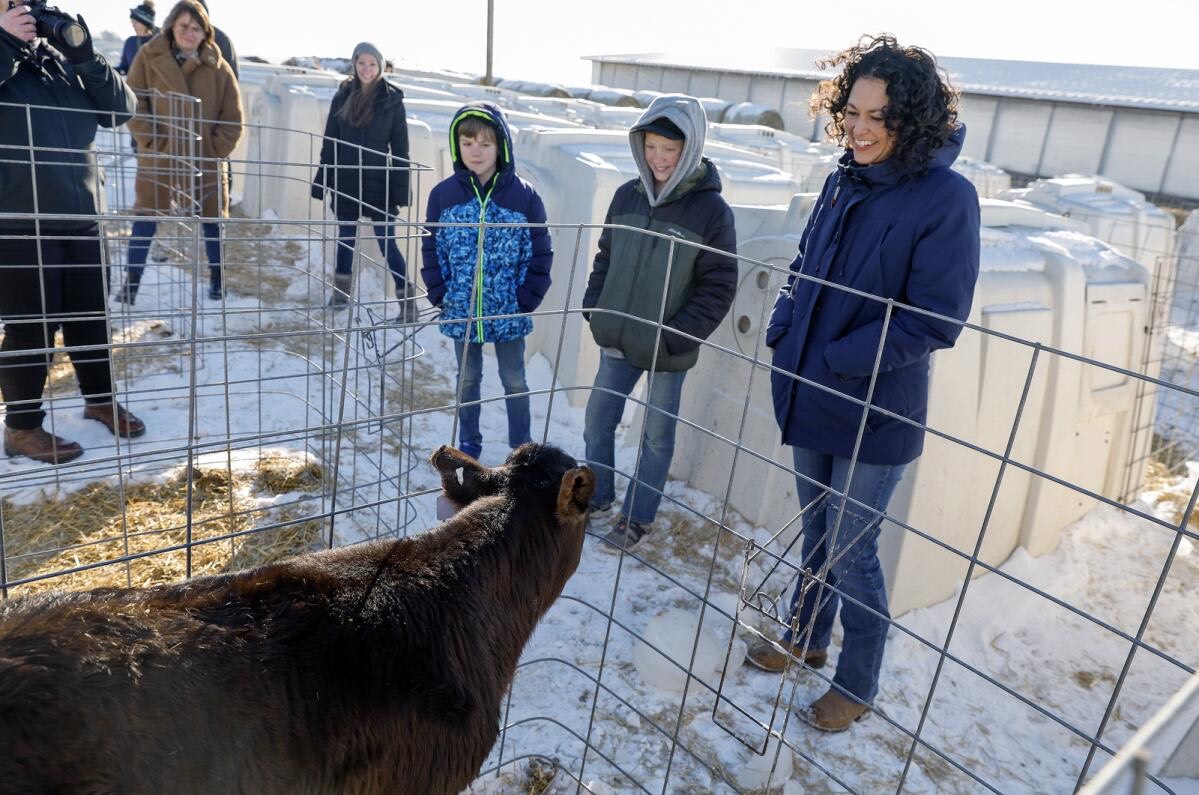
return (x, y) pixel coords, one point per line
(1092, 84)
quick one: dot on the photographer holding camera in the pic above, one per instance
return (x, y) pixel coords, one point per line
(54, 92)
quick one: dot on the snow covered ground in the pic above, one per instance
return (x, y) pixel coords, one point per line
(267, 390)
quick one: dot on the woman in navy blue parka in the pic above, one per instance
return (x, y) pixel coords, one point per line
(893, 222)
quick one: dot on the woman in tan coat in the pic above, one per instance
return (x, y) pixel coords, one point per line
(177, 170)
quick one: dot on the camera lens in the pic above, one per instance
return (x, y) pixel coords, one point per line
(72, 33)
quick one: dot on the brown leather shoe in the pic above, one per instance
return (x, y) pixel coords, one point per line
(120, 422)
(40, 446)
(834, 712)
(770, 656)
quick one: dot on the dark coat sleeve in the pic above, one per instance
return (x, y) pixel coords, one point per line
(783, 310)
(127, 55)
(115, 102)
(941, 279)
(8, 57)
(715, 286)
(599, 267)
(329, 142)
(228, 51)
(430, 270)
(532, 291)
(399, 175)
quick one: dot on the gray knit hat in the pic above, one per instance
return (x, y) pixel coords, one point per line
(366, 48)
(143, 13)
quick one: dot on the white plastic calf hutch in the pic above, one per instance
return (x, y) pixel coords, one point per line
(1108, 211)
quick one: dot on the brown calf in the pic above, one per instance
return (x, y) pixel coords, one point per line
(372, 668)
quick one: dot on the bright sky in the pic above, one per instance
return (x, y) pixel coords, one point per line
(545, 40)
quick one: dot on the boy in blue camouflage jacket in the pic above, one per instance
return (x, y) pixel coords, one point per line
(489, 287)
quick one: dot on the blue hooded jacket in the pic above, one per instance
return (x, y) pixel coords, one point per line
(515, 272)
(911, 238)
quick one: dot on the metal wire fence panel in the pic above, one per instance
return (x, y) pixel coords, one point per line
(1039, 557)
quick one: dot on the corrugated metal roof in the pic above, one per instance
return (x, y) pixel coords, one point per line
(1092, 84)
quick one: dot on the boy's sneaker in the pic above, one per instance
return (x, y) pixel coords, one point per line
(597, 511)
(600, 509)
(624, 535)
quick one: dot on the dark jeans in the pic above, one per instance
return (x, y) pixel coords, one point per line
(143, 232)
(347, 231)
(511, 356)
(613, 382)
(66, 292)
(855, 572)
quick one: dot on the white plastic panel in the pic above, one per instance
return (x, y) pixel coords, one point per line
(1019, 130)
(1076, 140)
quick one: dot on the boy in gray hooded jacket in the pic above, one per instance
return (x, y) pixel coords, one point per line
(643, 288)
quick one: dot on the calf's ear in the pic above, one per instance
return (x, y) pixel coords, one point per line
(574, 496)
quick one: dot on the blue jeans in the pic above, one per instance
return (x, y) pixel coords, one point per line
(143, 232)
(614, 381)
(511, 356)
(855, 572)
(346, 235)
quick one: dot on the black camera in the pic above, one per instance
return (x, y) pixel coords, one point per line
(55, 26)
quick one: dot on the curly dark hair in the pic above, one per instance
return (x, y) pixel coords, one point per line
(921, 105)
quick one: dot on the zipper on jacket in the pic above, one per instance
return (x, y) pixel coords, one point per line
(483, 200)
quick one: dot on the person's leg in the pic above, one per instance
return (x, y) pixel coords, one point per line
(470, 372)
(347, 236)
(395, 260)
(212, 247)
(661, 420)
(84, 329)
(511, 357)
(29, 299)
(614, 380)
(85, 334)
(853, 547)
(140, 237)
(817, 606)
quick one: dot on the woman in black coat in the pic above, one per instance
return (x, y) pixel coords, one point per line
(364, 167)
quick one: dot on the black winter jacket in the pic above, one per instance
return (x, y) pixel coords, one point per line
(353, 159)
(630, 270)
(65, 103)
(228, 51)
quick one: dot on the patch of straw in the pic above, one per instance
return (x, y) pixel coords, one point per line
(94, 526)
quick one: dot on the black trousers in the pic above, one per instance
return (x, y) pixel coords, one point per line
(65, 289)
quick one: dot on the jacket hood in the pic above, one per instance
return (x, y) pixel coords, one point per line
(688, 115)
(491, 113)
(887, 173)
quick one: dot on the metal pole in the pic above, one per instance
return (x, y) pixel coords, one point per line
(489, 78)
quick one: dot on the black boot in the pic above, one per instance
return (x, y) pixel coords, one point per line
(341, 289)
(406, 295)
(215, 290)
(127, 293)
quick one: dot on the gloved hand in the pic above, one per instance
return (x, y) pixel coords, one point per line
(82, 53)
(318, 191)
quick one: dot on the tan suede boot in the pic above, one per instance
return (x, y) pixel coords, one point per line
(119, 420)
(771, 656)
(39, 445)
(834, 712)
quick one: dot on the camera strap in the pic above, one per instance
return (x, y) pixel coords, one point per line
(39, 58)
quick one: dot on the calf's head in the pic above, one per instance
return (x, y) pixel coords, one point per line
(535, 476)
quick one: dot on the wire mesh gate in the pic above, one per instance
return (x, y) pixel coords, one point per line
(280, 424)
